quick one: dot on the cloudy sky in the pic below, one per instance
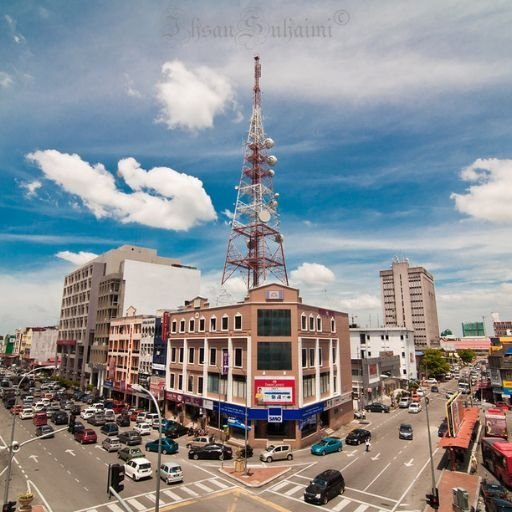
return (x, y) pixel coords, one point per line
(123, 122)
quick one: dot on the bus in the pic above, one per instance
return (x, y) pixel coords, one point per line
(497, 458)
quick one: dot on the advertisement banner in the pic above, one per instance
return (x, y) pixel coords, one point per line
(276, 391)
(165, 325)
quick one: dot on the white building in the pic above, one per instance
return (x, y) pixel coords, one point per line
(44, 344)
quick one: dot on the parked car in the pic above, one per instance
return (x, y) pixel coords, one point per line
(176, 430)
(130, 438)
(277, 452)
(405, 431)
(443, 428)
(76, 427)
(45, 431)
(40, 418)
(199, 441)
(325, 486)
(144, 429)
(420, 392)
(431, 380)
(242, 450)
(86, 436)
(404, 403)
(97, 420)
(111, 444)
(110, 429)
(415, 408)
(358, 436)
(327, 445)
(110, 415)
(60, 418)
(377, 407)
(123, 420)
(171, 472)
(168, 446)
(137, 469)
(211, 451)
(26, 414)
(130, 452)
(135, 413)
(18, 409)
(87, 413)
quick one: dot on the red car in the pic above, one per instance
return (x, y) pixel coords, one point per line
(86, 436)
(16, 409)
(502, 405)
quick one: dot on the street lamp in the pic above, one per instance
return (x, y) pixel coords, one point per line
(12, 448)
(139, 388)
(434, 490)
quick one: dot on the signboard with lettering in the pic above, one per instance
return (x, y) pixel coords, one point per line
(280, 390)
(274, 294)
(275, 415)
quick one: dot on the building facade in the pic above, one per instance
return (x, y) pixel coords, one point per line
(43, 345)
(473, 329)
(409, 300)
(104, 289)
(269, 363)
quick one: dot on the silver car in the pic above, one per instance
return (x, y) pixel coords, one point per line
(278, 452)
(111, 444)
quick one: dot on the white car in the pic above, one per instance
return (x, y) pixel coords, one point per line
(144, 429)
(27, 413)
(171, 472)
(431, 380)
(38, 407)
(420, 392)
(88, 413)
(415, 407)
(138, 468)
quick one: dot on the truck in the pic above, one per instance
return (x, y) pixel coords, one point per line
(495, 423)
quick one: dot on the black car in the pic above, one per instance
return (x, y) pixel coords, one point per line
(377, 407)
(443, 429)
(358, 436)
(130, 438)
(176, 430)
(405, 431)
(325, 486)
(76, 427)
(75, 409)
(60, 418)
(211, 451)
(123, 421)
(45, 430)
(242, 451)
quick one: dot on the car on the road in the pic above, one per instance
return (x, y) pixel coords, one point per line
(415, 408)
(327, 445)
(404, 402)
(325, 486)
(431, 380)
(60, 418)
(110, 429)
(27, 414)
(277, 452)
(130, 438)
(86, 436)
(171, 472)
(434, 388)
(199, 441)
(420, 392)
(242, 450)
(18, 409)
(76, 427)
(138, 468)
(176, 430)
(97, 420)
(502, 405)
(111, 444)
(130, 452)
(169, 446)
(405, 431)
(377, 407)
(443, 428)
(123, 420)
(144, 429)
(492, 489)
(88, 413)
(45, 431)
(358, 436)
(211, 451)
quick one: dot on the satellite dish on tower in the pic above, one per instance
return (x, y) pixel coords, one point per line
(264, 215)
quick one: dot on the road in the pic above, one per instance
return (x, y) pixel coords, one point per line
(394, 476)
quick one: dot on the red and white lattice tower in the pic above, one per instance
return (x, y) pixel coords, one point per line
(255, 246)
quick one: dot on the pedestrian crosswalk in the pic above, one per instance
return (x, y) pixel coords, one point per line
(293, 490)
(174, 494)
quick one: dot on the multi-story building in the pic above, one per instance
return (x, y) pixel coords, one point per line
(43, 344)
(103, 289)
(409, 300)
(270, 363)
(502, 328)
(473, 329)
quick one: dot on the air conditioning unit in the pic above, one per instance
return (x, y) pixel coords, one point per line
(460, 499)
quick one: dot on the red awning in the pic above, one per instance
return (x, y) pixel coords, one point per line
(463, 438)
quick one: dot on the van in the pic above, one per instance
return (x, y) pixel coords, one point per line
(40, 418)
(171, 472)
(325, 486)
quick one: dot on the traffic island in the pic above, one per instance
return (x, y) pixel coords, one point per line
(255, 476)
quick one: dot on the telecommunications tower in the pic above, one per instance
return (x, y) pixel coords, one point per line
(255, 246)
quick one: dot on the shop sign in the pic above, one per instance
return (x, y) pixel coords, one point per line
(174, 397)
(193, 400)
(274, 391)
(236, 411)
(160, 367)
(275, 415)
(107, 384)
(208, 404)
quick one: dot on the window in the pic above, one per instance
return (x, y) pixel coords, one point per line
(217, 384)
(238, 358)
(190, 385)
(213, 324)
(308, 386)
(191, 325)
(304, 358)
(402, 337)
(274, 355)
(369, 354)
(334, 381)
(238, 322)
(274, 322)
(334, 354)
(180, 381)
(362, 339)
(403, 354)
(181, 350)
(173, 354)
(201, 355)
(303, 322)
(174, 326)
(200, 385)
(333, 325)
(311, 357)
(319, 357)
(382, 336)
(182, 325)
(213, 356)
(311, 323)
(239, 386)
(324, 383)
(318, 324)
(191, 355)
(202, 323)
(225, 323)
(172, 382)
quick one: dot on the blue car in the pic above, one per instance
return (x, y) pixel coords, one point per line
(327, 445)
(168, 446)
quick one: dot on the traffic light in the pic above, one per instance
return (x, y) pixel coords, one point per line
(10, 506)
(116, 477)
(433, 499)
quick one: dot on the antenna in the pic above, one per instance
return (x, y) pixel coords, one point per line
(255, 246)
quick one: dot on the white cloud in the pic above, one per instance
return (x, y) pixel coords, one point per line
(77, 258)
(131, 90)
(17, 37)
(31, 188)
(229, 214)
(161, 198)
(191, 98)
(5, 79)
(489, 197)
(312, 274)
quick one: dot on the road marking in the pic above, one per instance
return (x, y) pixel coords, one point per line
(189, 491)
(220, 484)
(114, 507)
(135, 504)
(293, 490)
(341, 505)
(280, 485)
(150, 497)
(204, 487)
(171, 495)
(34, 457)
(380, 473)
(361, 508)
(409, 464)
(71, 452)
(376, 457)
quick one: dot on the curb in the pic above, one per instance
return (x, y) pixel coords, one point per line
(253, 470)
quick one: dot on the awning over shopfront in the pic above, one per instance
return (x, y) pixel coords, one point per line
(233, 422)
(463, 438)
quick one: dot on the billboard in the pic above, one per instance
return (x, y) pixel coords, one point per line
(274, 391)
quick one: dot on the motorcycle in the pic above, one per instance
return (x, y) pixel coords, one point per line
(360, 415)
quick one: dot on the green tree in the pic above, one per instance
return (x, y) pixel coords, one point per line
(466, 355)
(447, 332)
(434, 363)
